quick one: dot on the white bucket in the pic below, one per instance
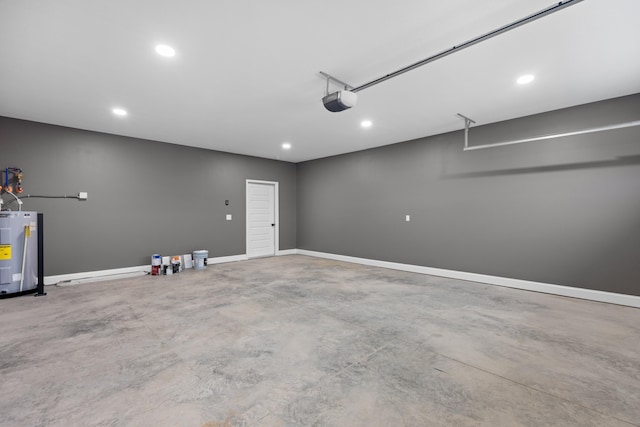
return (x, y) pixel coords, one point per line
(188, 260)
(200, 259)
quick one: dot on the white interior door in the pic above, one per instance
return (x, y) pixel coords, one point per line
(261, 218)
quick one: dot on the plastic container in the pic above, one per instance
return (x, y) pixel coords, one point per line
(200, 259)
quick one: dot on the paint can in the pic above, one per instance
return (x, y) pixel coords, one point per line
(176, 265)
(156, 262)
(200, 259)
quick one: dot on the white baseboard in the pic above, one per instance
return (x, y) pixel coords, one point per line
(82, 281)
(287, 252)
(230, 258)
(52, 280)
(567, 291)
(86, 275)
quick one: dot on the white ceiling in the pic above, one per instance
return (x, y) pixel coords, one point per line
(246, 75)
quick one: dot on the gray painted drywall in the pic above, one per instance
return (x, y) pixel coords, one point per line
(145, 197)
(563, 211)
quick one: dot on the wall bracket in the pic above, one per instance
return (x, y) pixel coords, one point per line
(467, 124)
(330, 78)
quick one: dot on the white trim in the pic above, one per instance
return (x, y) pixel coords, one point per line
(52, 280)
(102, 278)
(287, 252)
(567, 291)
(230, 258)
(276, 213)
(83, 276)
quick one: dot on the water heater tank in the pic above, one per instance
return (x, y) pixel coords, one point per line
(18, 267)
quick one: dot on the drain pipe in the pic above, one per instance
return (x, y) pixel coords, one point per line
(27, 234)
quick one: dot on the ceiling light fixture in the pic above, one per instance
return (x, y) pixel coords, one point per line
(165, 50)
(527, 78)
(286, 146)
(366, 123)
(119, 112)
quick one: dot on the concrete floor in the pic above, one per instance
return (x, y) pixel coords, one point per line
(300, 341)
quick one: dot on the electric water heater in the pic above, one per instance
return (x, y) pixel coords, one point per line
(18, 252)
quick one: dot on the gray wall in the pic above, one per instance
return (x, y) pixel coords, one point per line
(145, 197)
(563, 211)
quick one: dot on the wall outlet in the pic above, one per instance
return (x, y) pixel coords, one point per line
(228, 217)
(83, 195)
(407, 218)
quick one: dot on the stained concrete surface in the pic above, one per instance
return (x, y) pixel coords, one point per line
(297, 341)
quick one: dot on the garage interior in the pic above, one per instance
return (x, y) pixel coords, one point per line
(452, 243)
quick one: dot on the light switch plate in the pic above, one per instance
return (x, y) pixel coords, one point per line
(407, 218)
(228, 217)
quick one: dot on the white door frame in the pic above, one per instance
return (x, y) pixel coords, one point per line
(276, 214)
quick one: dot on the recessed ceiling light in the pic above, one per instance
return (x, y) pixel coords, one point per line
(286, 146)
(119, 112)
(366, 123)
(527, 78)
(165, 50)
